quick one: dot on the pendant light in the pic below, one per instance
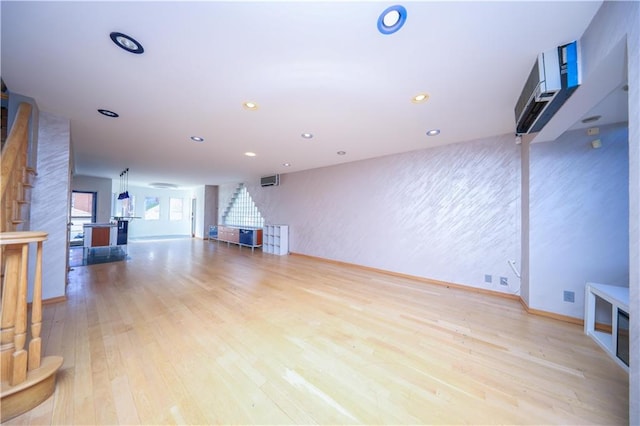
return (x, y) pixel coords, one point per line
(124, 185)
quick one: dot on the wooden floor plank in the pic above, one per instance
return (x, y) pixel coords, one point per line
(191, 332)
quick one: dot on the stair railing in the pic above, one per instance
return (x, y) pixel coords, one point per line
(27, 378)
(16, 175)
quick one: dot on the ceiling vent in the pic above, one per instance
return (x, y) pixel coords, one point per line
(553, 79)
(270, 180)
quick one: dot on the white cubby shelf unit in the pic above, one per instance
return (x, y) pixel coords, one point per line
(615, 299)
(276, 239)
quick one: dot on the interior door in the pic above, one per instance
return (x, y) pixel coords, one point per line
(83, 210)
(193, 218)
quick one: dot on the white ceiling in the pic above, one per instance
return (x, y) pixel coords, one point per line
(319, 67)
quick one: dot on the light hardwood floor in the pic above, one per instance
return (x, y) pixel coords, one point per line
(193, 332)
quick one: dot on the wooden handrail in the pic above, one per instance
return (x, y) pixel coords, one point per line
(16, 144)
(15, 179)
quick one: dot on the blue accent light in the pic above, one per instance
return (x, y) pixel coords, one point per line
(390, 29)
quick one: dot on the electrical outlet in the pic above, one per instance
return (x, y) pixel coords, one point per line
(591, 131)
(569, 296)
(504, 281)
(488, 278)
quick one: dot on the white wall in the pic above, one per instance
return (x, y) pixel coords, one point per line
(199, 195)
(448, 213)
(206, 209)
(50, 201)
(102, 186)
(140, 227)
(616, 22)
(579, 217)
(210, 202)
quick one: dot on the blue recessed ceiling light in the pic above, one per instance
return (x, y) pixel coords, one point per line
(392, 19)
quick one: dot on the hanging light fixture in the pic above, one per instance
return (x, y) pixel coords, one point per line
(120, 188)
(124, 185)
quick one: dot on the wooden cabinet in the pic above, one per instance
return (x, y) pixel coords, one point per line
(100, 234)
(249, 237)
(276, 239)
(100, 237)
(228, 234)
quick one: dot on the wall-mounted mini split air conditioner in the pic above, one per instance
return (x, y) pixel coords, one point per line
(270, 180)
(553, 79)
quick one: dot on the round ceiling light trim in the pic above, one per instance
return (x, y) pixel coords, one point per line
(591, 119)
(392, 19)
(341, 152)
(250, 154)
(433, 132)
(420, 98)
(108, 113)
(251, 106)
(163, 185)
(197, 139)
(307, 135)
(126, 42)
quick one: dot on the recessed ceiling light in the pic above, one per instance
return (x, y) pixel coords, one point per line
(108, 113)
(341, 152)
(286, 164)
(433, 132)
(307, 135)
(251, 106)
(162, 185)
(591, 119)
(250, 154)
(392, 19)
(418, 99)
(197, 139)
(126, 42)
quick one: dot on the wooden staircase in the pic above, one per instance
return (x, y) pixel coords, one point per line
(27, 379)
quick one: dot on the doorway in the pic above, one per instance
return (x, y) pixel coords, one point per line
(83, 210)
(193, 218)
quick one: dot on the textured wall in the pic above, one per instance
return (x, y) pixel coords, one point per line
(579, 217)
(50, 201)
(447, 213)
(525, 161)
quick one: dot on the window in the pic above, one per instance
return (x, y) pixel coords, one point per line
(151, 208)
(175, 208)
(125, 207)
(242, 211)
